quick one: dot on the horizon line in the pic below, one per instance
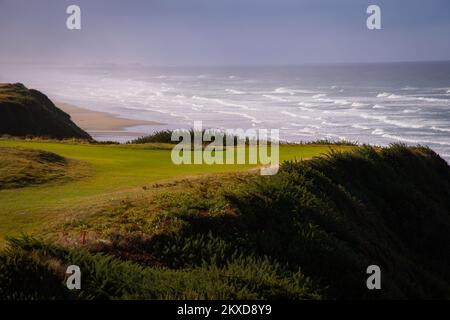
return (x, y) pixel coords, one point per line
(274, 64)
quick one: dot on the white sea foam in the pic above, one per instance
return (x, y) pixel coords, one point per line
(293, 115)
(221, 102)
(440, 129)
(411, 110)
(304, 129)
(403, 124)
(409, 98)
(306, 109)
(176, 115)
(431, 99)
(197, 107)
(320, 95)
(307, 130)
(244, 115)
(311, 126)
(332, 135)
(378, 131)
(305, 104)
(342, 102)
(408, 88)
(303, 91)
(377, 106)
(417, 141)
(389, 95)
(390, 121)
(395, 96)
(360, 126)
(390, 136)
(283, 90)
(330, 124)
(233, 91)
(275, 98)
(135, 108)
(358, 104)
(325, 100)
(301, 134)
(292, 92)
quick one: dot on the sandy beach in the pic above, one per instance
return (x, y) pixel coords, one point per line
(103, 125)
(100, 121)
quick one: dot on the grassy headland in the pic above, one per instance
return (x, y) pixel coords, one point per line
(28, 112)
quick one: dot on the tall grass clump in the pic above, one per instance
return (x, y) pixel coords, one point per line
(165, 136)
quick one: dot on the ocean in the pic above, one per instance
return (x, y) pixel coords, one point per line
(365, 103)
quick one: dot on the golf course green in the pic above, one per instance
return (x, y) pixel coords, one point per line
(99, 172)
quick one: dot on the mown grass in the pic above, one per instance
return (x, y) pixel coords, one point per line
(114, 172)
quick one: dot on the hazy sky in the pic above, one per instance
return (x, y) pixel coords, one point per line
(192, 32)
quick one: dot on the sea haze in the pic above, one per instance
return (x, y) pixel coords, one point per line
(367, 103)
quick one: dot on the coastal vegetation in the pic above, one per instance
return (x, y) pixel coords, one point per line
(307, 233)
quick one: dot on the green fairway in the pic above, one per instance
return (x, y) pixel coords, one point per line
(108, 171)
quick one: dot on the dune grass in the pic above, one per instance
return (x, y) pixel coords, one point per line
(108, 172)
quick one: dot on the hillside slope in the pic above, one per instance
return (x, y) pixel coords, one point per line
(309, 232)
(28, 112)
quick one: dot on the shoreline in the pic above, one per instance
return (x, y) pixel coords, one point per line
(104, 124)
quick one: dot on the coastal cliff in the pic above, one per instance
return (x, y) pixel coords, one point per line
(28, 112)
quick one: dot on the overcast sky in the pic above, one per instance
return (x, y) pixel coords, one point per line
(193, 32)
